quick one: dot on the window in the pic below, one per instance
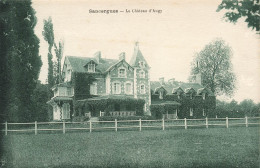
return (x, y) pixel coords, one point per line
(203, 112)
(191, 112)
(161, 95)
(116, 88)
(69, 92)
(204, 96)
(62, 91)
(142, 74)
(91, 67)
(191, 96)
(142, 89)
(179, 96)
(128, 88)
(93, 89)
(141, 64)
(122, 72)
(68, 75)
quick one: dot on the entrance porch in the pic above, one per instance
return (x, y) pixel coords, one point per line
(165, 109)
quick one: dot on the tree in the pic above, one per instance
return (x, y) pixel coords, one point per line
(39, 105)
(49, 37)
(247, 106)
(5, 9)
(20, 58)
(54, 69)
(248, 9)
(59, 54)
(214, 65)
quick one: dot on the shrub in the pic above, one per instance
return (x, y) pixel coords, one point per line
(112, 118)
(80, 118)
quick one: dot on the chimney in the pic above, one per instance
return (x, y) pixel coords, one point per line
(198, 78)
(161, 80)
(97, 55)
(171, 81)
(122, 56)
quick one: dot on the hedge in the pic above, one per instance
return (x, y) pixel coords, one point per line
(112, 118)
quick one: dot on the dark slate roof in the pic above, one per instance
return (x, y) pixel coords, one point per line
(170, 86)
(64, 84)
(78, 63)
(137, 56)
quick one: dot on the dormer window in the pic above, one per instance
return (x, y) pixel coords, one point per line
(179, 95)
(160, 95)
(191, 96)
(91, 67)
(204, 96)
(122, 72)
(142, 74)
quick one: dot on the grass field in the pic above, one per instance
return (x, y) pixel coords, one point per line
(213, 147)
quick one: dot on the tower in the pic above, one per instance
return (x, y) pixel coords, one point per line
(141, 78)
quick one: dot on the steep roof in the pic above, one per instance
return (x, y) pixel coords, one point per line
(168, 86)
(78, 63)
(137, 57)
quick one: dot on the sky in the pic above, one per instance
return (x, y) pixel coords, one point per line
(168, 40)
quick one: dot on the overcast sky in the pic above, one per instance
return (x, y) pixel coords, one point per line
(168, 40)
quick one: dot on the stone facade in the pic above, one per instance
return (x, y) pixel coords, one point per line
(112, 77)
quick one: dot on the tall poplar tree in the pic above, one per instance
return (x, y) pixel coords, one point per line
(49, 37)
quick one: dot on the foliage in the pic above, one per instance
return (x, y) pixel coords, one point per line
(80, 118)
(112, 118)
(107, 105)
(214, 64)
(59, 53)
(234, 109)
(157, 111)
(82, 82)
(49, 37)
(248, 9)
(39, 105)
(20, 57)
(54, 69)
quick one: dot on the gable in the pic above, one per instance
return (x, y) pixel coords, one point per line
(78, 64)
(160, 89)
(121, 64)
(89, 62)
(177, 90)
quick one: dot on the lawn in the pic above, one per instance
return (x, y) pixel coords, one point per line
(213, 147)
